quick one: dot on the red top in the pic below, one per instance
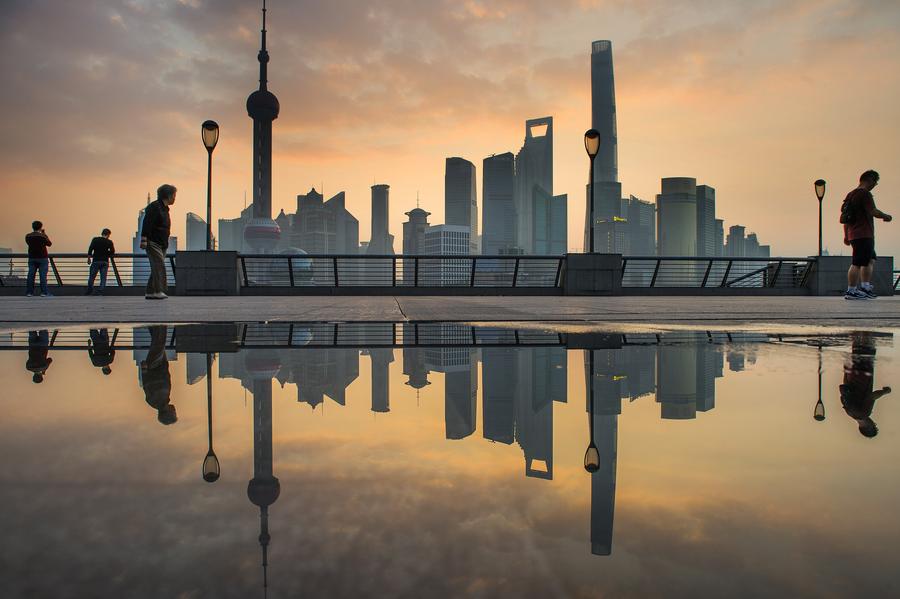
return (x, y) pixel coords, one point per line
(864, 207)
(37, 244)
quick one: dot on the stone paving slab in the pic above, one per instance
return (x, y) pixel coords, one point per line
(16, 312)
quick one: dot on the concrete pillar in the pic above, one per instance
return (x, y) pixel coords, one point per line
(593, 274)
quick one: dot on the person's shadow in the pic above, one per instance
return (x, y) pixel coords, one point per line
(155, 377)
(100, 350)
(858, 395)
(38, 350)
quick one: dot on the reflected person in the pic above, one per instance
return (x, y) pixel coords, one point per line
(155, 377)
(100, 351)
(38, 350)
(857, 392)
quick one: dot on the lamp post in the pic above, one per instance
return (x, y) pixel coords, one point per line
(210, 462)
(820, 193)
(591, 146)
(209, 131)
(592, 454)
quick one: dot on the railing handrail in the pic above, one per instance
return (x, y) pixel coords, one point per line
(457, 256)
(724, 258)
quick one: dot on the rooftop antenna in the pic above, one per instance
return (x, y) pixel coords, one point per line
(417, 198)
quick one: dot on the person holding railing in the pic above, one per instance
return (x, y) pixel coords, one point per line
(100, 252)
(38, 258)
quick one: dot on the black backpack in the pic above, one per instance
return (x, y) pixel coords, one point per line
(848, 212)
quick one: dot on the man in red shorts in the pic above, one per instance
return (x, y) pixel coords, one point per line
(859, 232)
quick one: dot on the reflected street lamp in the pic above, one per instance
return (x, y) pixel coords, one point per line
(210, 462)
(209, 131)
(820, 194)
(592, 147)
(819, 410)
(592, 455)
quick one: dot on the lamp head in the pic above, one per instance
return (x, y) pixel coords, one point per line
(211, 468)
(592, 458)
(209, 131)
(592, 142)
(820, 188)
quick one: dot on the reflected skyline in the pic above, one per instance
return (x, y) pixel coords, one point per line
(524, 390)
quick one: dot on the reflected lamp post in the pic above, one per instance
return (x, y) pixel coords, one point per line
(209, 131)
(592, 147)
(819, 410)
(210, 462)
(592, 454)
(820, 194)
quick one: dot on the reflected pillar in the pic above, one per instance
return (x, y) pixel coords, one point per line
(264, 488)
(604, 407)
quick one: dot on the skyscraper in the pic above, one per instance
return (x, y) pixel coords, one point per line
(261, 233)
(461, 198)
(534, 179)
(195, 232)
(719, 237)
(706, 220)
(380, 241)
(414, 232)
(676, 217)
(607, 189)
(498, 208)
(640, 219)
(321, 227)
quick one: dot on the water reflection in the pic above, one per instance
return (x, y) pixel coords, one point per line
(858, 395)
(523, 376)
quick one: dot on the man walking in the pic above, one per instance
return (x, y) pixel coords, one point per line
(99, 254)
(155, 239)
(858, 216)
(38, 258)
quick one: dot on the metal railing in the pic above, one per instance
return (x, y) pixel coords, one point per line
(721, 272)
(896, 279)
(125, 270)
(300, 270)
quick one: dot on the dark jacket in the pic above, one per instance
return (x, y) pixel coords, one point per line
(101, 249)
(37, 243)
(157, 225)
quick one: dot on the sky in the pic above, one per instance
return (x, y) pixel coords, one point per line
(103, 102)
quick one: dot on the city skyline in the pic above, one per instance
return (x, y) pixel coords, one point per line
(687, 113)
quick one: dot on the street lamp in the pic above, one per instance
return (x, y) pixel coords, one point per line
(592, 455)
(820, 193)
(210, 462)
(592, 146)
(209, 131)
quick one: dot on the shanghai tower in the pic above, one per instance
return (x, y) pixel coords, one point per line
(607, 189)
(261, 232)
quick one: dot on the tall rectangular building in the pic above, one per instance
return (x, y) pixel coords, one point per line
(381, 241)
(676, 217)
(195, 233)
(534, 177)
(706, 220)
(641, 227)
(461, 197)
(498, 208)
(719, 236)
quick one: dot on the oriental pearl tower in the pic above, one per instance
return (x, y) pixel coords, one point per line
(262, 233)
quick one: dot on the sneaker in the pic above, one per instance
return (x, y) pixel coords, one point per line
(869, 291)
(855, 294)
(89, 292)
(29, 295)
(46, 295)
(150, 296)
(161, 295)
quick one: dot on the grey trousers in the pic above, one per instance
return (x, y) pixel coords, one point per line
(157, 281)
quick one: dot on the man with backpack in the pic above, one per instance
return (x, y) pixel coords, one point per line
(858, 214)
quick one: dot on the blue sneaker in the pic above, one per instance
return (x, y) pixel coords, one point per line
(869, 291)
(855, 294)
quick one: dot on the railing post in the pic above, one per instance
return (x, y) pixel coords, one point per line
(112, 262)
(472, 278)
(559, 265)
(172, 264)
(290, 262)
(515, 272)
(725, 276)
(775, 275)
(334, 269)
(624, 266)
(394, 271)
(244, 270)
(896, 282)
(55, 272)
(706, 276)
(655, 272)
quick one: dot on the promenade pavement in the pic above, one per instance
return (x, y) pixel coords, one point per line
(723, 312)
